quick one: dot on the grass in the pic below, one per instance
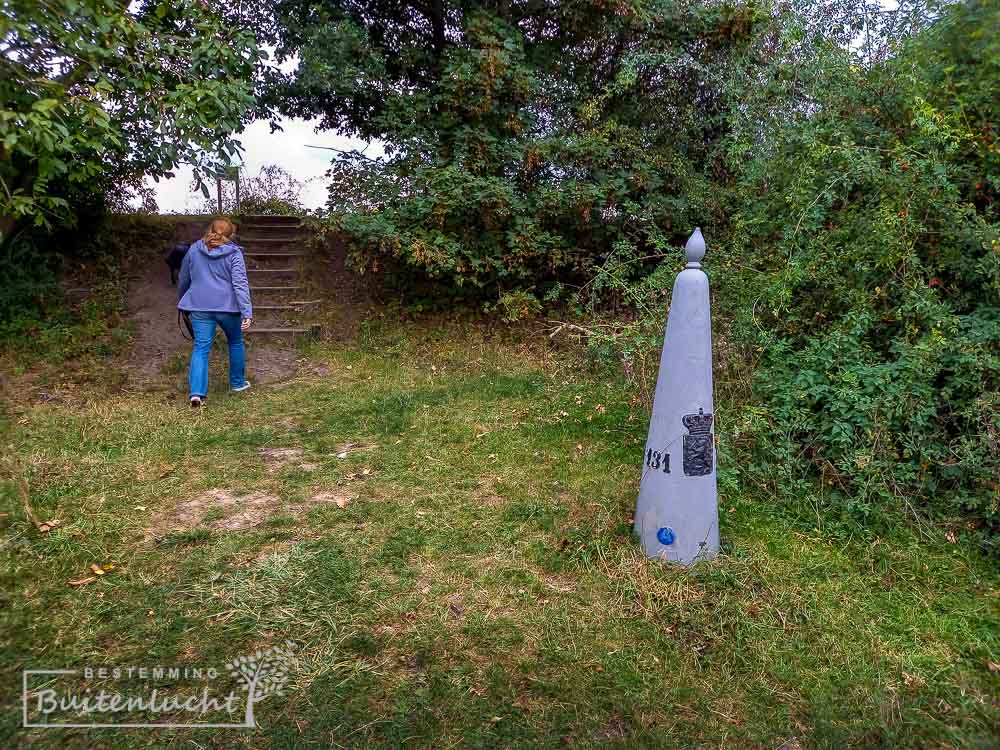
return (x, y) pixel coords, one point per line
(480, 588)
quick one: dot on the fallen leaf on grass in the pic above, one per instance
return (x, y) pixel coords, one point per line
(47, 526)
(993, 666)
(83, 581)
(139, 507)
(99, 570)
(342, 502)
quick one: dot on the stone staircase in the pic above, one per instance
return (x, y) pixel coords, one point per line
(275, 262)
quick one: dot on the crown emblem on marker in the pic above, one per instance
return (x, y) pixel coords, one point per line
(698, 424)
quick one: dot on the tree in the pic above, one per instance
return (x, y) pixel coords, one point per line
(524, 140)
(95, 93)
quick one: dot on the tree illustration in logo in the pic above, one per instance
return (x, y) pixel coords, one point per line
(262, 674)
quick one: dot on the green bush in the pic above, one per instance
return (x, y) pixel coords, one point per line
(39, 319)
(273, 191)
(879, 303)
(842, 159)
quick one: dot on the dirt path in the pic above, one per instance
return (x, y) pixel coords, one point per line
(159, 342)
(153, 308)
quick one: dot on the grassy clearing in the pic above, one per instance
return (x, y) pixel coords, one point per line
(480, 587)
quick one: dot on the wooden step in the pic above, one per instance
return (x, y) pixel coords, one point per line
(275, 288)
(270, 219)
(312, 330)
(293, 305)
(272, 270)
(275, 254)
(269, 233)
(257, 240)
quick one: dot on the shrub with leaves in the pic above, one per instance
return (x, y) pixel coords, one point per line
(273, 191)
(876, 278)
(842, 158)
(40, 318)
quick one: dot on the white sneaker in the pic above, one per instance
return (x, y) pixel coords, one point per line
(242, 387)
(195, 402)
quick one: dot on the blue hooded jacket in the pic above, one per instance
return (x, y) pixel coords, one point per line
(214, 280)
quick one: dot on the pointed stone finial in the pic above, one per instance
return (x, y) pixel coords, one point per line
(695, 247)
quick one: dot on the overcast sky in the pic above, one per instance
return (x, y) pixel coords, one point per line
(288, 149)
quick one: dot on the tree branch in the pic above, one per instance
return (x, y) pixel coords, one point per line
(355, 152)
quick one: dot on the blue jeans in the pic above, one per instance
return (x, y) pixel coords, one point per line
(203, 324)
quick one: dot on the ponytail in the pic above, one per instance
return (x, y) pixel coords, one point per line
(220, 232)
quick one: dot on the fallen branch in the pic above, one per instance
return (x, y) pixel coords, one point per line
(354, 152)
(13, 467)
(562, 325)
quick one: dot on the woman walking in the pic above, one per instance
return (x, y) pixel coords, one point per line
(213, 289)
